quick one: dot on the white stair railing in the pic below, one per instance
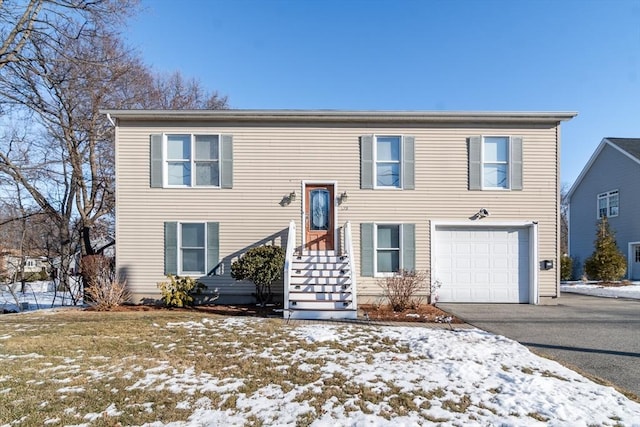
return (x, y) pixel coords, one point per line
(291, 245)
(348, 250)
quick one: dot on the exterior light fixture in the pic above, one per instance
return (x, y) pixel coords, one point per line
(343, 198)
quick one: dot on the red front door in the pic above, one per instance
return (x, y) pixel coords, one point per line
(319, 217)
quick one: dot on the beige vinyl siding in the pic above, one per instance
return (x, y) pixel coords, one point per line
(270, 161)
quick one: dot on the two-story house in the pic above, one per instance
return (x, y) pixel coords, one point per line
(354, 196)
(609, 185)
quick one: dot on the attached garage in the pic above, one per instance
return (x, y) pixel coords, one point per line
(485, 263)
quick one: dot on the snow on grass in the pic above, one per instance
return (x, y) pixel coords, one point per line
(247, 371)
(593, 288)
(384, 376)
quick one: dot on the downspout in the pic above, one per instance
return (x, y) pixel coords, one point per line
(113, 123)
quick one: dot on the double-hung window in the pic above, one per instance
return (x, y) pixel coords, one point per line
(387, 162)
(191, 248)
(388, 246)
(495, 163)
(388, 155)
(193, 160)
(192, 252)
(608, 204)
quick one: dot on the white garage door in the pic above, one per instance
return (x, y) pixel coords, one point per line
(482, 264)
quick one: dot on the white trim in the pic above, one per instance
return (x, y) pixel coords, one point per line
(534, 294)
(349, 116)
(534, 297)
(508, 163)
(192, 160)
(179, 270)
(631, 258)
(592, 159)
(630, 156)
(607, 196)
(377, 273)
(400, 162)
(303, 228)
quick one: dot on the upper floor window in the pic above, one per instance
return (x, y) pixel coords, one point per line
(495, 163)
(193, 160)
(608, 204)
(387, 162)
(188, 160)
(388, 155)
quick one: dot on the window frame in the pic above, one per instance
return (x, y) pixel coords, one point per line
(377, 273)
(192, 161)
(483, 163)
(400, 163)
(180, 249)
(607, 196)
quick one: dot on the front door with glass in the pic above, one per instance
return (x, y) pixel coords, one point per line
(319, 217)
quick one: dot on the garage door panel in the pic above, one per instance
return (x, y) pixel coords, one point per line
(482, 265)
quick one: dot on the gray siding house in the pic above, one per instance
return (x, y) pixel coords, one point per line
(609, 185)
(471, 199)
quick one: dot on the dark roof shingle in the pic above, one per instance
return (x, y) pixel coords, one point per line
(630, 145)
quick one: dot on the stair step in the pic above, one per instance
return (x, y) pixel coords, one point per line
(321, 305)
(310, 314)
(296, 265)
(311, 280)
(320, 296)
(314, 259)
(319, 273)
(319, 253)
(320, 288)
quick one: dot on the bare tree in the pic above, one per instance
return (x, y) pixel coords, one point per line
(61, 61)
(51, 21)
(174, 92)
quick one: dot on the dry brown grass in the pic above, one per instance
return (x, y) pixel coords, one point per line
(73, 365)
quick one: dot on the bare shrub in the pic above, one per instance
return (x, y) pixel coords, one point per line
(102, 288)
(402, 288)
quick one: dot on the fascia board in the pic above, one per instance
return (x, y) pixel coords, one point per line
(342, 116)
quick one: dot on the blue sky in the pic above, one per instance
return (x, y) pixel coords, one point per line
(458, 55)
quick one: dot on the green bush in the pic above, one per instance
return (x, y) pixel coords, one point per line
(566, 267)
(263, 266)
(179, 291)
(606, 263)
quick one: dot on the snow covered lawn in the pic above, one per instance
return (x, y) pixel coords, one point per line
(169, 368)
(595, 289)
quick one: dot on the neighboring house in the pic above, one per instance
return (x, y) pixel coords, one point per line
(609, 185)
(354, 196)
(11, 261)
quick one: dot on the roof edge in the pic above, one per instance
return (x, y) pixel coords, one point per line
(341, 115)
(592, 159)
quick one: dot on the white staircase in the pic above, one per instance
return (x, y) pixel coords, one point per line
(320, 284)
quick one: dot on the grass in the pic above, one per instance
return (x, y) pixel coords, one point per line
(130, 368)
(73, 366)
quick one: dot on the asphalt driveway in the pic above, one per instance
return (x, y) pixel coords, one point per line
(600, 336)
